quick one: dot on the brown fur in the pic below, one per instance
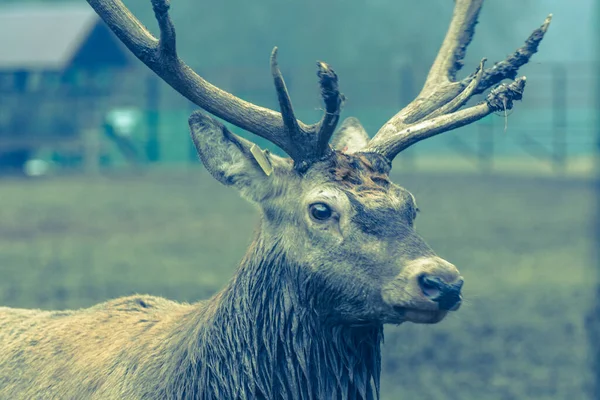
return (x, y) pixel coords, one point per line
(364, 172)
(84, 349)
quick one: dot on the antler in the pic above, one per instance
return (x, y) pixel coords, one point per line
(303, 143)
(434, 111)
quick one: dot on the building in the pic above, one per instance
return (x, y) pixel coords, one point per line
(58, 66)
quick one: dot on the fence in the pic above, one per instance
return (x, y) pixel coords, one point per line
(552, 126)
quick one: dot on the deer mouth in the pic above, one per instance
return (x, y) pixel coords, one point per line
(420, 316)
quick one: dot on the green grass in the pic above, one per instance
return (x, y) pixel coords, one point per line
(524, 246)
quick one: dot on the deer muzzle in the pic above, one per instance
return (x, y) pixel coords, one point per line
(425, 290)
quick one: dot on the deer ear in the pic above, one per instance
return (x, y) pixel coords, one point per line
(351, 137)
(230, 160)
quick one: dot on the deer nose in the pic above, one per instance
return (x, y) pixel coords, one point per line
(447, 295)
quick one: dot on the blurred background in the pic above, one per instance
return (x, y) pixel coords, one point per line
(102, 194)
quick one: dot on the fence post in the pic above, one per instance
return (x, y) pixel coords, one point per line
(485, 135)
(91, 144)
(559, 117)
(85, 108)
(152, 119)
(593, 317)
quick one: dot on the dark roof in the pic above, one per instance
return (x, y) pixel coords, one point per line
(49, 36)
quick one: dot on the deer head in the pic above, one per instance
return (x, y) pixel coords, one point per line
(331, 209)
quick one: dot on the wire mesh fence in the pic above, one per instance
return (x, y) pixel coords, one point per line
(138, 118)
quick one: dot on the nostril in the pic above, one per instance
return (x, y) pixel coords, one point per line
(450, 301)
(431, 286)
(446, 295)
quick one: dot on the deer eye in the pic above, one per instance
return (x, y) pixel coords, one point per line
(320, 211)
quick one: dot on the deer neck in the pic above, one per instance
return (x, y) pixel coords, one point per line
(265, 339)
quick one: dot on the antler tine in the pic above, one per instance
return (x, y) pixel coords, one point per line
(499, 99)
(167, 45)
(434, 110)
(439, 87)
(161, 57)
(333, 99)
(285, 103)
(454, 47)
(508, 68)
(301, 141)
(296, 137)
(463, 96)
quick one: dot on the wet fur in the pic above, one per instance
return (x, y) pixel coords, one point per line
(302, 318)
(262, 337)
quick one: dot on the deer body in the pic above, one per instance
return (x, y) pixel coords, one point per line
(335, 258)
(144, 347)
(63, 360)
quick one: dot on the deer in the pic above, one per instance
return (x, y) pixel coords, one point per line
(335, 258)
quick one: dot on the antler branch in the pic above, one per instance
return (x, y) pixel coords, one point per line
(285, 102)
(333, 99)
(167, 45)
(500, 98)
(450, 57)
(508, 68)
(463, 96)
(434, 110)
(304, 143)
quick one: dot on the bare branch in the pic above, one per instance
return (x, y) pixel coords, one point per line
(508, 68)
(333, 99)
(500, 98)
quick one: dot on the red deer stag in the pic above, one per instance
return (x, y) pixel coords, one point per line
(336, 256)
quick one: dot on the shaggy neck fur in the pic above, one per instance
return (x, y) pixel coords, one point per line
(263, 338)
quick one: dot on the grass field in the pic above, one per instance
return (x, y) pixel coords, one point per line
(524, 246)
